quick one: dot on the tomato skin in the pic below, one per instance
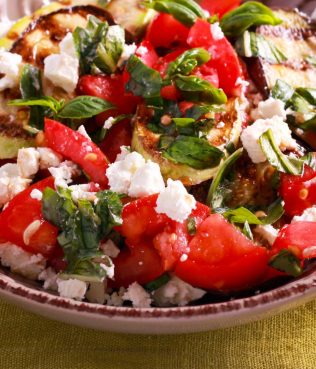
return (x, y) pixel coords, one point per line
(219, 7)
(297, 237)
(21, 211)
(110, 88)
(76, 147)
(298, 192)
(222, 258)
(170, 93)
(224, 58)
(140, 264)
(149, 58)
(118, 135)
(166, 31)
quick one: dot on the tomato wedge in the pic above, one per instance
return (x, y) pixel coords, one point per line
(221, 258)
(78, 148)
(22, 211)
(219, 7)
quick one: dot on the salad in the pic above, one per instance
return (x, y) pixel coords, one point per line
(158, 153)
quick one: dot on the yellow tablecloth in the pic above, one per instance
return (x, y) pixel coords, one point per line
(286, 341)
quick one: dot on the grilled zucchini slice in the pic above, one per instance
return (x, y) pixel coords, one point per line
(146, 143)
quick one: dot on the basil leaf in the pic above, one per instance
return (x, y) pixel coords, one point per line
(309, 94)
(241, 215)
(276, 158)
(144, 81)
(275, 212)
(84, 107)
(183, 122)
(46, 101)
(310, 160)
(282, 91)
(215, 196)
(247, 231)
(85, 270)
(196, 89)
(191, 226)
(194, 152)
(157, 283)
(250, 14)
(186, 62)
(287, 262)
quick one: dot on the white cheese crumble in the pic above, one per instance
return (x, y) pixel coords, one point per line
(20, 261)
(125, 150)
(9, 67)
(110, 249)
(183, 258)
(67, 46)
(281, 132)
(142, 50)
(175, 201)
(49, 276)
(82, 192)
(270, 108)
(5, 26)
(72, 288)
(30, 230)
(176, 292)
(48, 158)
(115, 298)
(83, 132)
(139, 297)
(109, 123)
(36, 194)
(63, 173)
(268, 232)
(128, 51)
(28, 162)
(109, 268)
(309, 215)
(216, 31)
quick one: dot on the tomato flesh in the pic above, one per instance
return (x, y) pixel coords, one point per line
(23, 210)
(78, 148)
(219, 7)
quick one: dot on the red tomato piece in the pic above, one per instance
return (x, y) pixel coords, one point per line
(224, 58)
(298, 192)
(170, 93)
(23, 210)
(78, 148)
(299, 238)
(166, 31)
(163, 62)
(219, 7)
(140, 264)
(112, 89)
(148, 55)
(222, 258)
(207, 73)
(119, 135)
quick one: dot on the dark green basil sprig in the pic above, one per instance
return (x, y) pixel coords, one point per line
(250, 14)
(82, 227)
(287, 262)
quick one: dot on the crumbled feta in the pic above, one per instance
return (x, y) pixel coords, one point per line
(10, 69)
(216, 31)
(20, 261)
(5, 26)
(146, 181)
(115, 34)
(176, 292)
(83, 132)
(128, 51)
(268, 232)
(139, 297)
(96, 293)
(281, 132)
(125, 150)
(109, 123)
(72, 288)
(30, 230)
(309, 215)
(183, 258)
(48, 158)
(49, 276)
(175, 201)
(110, 249)
(28, 162)
(142, 50)
(67, 46)
(63, 173)
(115, 298)
(62, 70)
(108, 266)
(271, 108)
(82, 192)
(36, 194)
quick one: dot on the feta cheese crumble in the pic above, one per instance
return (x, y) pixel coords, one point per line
(67, 46)
(281, 132)
(175, 201)
(128, 51)
(28, 162)
(142, 50)
(49, 277)
(309, 215)
(48, 158)
(267, 232)
(83, 132)
(72, 288)
(63, 173)
(216, 31)
(139, 297)
(176, 292)
(270, 108)
(36, 194)
(109, 123)
(10, 69)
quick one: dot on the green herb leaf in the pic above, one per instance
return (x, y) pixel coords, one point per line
(282, 91)
(157, 283)
(194, 152)
(84, 107)
(46, 101)
(275, 212)
(191, 225)
(144, 81)
(287, 262)
(197, 89)
(241, 215)
(276, 158)
(85, 270)
(245, 16)
(247, 231)
(310, 160)
(215, 196)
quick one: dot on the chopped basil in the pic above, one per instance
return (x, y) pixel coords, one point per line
(241, 215)
(216, 194)
(46, 101)
(199, 90)
(247, 231)
(310, 160)
(157, 283)
(282, 91)
(275, 212)
(194, 152)
(191, 225)
(82, 227)
(250, 14)
(287, 262)
(276, 158)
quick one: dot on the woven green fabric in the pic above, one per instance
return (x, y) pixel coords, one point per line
(286, 341)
